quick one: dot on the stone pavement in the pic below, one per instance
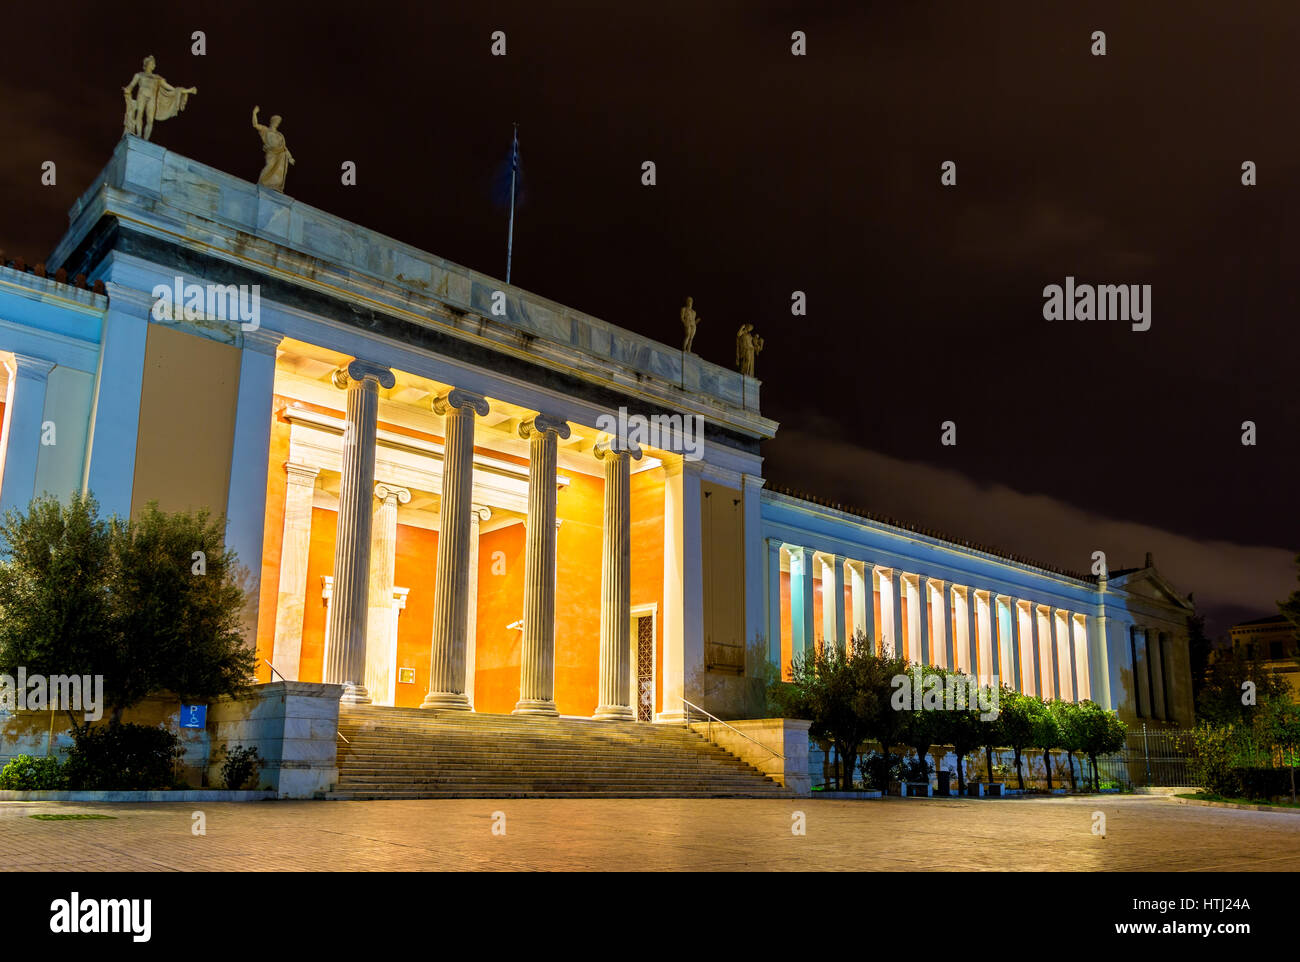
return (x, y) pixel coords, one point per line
(1142, 833)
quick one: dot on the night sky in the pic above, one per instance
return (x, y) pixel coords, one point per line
(820, 174)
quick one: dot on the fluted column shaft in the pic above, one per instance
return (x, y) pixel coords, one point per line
(451, 584)
(537, 668)
(347, 612)
(616, 585)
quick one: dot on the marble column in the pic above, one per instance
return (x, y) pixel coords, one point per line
(1156, 672)
(837, 582)
(802, 637)
(451, 579)
(1014, 641)
(920, 645)
(860, 598)
(291, 599)
(381, 655)
(893, 645)
(616, 583)
(537, 669)
(970, 655)
(1034, 669)
(347, 614)
(477, 515)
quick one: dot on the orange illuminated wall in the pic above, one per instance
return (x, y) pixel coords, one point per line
(647, 506)
(580, 507)
(500, 604)
(416, 561)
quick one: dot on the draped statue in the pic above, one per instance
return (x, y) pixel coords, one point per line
(278, 157)
(154, 99)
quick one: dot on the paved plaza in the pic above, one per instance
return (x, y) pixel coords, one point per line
(1142, 833)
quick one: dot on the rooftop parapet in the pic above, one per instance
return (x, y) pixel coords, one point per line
(166, 193)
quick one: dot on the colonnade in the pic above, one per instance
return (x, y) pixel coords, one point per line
(363, 559)
(1034, 647)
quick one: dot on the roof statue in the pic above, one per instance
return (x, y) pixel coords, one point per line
(278, 157)
(748, 345)
(690, 320)
(154, 99)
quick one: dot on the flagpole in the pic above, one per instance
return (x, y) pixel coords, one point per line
(514, 170)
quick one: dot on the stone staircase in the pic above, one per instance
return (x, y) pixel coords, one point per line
(412, 753)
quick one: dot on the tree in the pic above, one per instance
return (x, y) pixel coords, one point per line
(992, 733)
(961, 728)
(151, 604)
(1198, 650)
(844, 695)
(1046, 733)
(1223, 699)
(55, 607)
(1291, 607)
(1069, 722)
(923, 723)
(1277, 725)
(1016, 721)
(1102, 733)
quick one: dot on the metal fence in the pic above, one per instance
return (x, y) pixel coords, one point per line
(1153, 758)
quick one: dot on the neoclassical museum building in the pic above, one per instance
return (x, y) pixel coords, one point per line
(414, 462)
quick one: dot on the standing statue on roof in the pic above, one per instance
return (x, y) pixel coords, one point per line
(278, 157)
(155, 99)
(690, 320)
(748, 345)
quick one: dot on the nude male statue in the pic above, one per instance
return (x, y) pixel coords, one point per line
(155, 99)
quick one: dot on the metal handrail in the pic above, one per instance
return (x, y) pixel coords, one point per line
(714, 718)
(282, 678)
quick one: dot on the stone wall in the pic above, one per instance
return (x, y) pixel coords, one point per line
(293, 725)
(788, 737)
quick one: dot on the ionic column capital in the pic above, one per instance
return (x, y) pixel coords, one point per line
(457, 399)
(478, 513)
(614, 447)
(543, 424)
(358, 370)
(384, 491)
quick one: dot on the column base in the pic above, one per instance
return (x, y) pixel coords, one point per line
(355, 695)
(535, 706)
(614, 713)
(671, 718)
(447, 700)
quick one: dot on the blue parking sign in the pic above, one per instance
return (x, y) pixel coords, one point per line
(194, 716)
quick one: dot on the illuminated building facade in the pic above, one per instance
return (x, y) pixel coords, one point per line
(411, 462)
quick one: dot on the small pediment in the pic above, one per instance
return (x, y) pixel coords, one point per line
(1150, 584)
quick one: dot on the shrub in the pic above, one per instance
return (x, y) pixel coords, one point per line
(27, 774)
(241, 765)
(122, 757)
(1213, 751)
(878, 770)
(1263, 783)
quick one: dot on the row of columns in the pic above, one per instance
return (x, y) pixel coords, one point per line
(1151, 696)
(1037, 649)
(349, 620)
